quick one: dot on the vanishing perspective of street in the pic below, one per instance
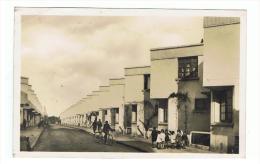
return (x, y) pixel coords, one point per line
(57, 138)
(130, 84)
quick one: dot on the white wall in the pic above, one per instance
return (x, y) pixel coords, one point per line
(164, 68)
(133, 88)
(116, 95)
(221, 55)
(163, 76)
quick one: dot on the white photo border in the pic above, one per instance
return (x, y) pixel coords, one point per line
(92, 11)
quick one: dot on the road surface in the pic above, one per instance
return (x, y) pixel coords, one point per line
(63, 139)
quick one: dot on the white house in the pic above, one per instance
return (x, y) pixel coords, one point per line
(221, 76)
(178, 71)
(138, 107)
(31, 110)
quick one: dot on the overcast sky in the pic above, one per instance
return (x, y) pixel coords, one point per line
(67, 57)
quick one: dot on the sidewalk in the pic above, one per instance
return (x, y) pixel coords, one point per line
(33, 133)
(144, 145)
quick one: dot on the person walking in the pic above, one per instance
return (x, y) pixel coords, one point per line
(94, 126)
(106, 129)
(99, 125)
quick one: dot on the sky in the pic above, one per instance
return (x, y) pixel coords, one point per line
(68, 57)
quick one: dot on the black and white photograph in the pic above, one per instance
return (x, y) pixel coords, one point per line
(128, 82)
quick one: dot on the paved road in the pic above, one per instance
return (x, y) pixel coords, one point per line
(62, 139)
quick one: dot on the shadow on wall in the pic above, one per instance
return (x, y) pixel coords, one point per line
(227, 136)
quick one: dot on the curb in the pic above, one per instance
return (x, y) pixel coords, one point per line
(131, 146)
(33, 145)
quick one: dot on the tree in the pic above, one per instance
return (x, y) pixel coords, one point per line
(182, 104)
(147, 123)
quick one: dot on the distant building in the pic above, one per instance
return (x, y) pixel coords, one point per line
(138, 106)
(31, 110)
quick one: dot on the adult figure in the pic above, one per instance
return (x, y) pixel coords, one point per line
(106, 129)
(99, 125)
(154, 135)
(94, 126)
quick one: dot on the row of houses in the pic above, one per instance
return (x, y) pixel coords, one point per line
(31, 110)
(190, 87)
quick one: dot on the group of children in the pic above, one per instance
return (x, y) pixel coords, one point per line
(169, 139)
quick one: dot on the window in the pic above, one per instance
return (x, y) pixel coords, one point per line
(165, 115)
(146, 81)
(188, 68)
(224, 99)
(163, 111)
(105, 112)
(134, 113)
(117, 115)
(202, 104)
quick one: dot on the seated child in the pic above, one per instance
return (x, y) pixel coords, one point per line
(162, 138)
(172, 139)
(179, 143)
(167, 139)
(158, 140)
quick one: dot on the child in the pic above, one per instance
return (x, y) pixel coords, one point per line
(162, 139)
(154, 136)
(172, 138)
(179, 143)
(167, 139)
(185, 140)
(158, 140)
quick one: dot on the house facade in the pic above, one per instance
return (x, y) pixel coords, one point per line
(179, 71)
(139, 107)
(31, 110)
(117, 102)
(221, 76)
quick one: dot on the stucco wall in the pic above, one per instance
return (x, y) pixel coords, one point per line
(221, 68)
(103, 102)
(117, 95)
(24, 98)
(164, 73)
(163, 78)
(221, 55)
(222, 138)
(197, 121)
(133, 88)
(164, 68)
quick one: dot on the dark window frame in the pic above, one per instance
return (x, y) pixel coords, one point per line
(147, 81)
(225, 98)
(116, 115)
(202, 104)
(165, 115)
(134, 109)
(188, 68)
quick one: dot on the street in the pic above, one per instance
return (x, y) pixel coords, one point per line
(63, 139)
